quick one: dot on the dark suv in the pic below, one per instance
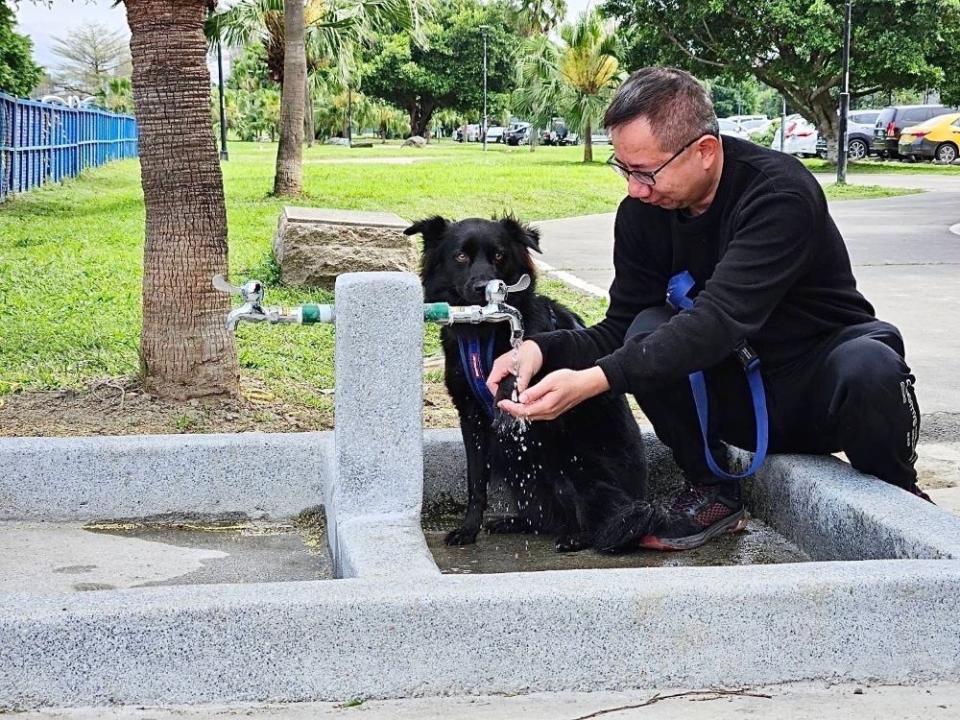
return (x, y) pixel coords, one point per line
(892, 121)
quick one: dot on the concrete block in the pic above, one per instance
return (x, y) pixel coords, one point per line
(383, 546)
(378, 438)
(892, 622)
(836, 513)
(313, 245)
(90, 478)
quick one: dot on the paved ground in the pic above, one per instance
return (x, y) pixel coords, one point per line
(907, 262)
(786, 702)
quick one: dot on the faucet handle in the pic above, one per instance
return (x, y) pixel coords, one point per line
(251, 291)
(497, 290)
(522, 284)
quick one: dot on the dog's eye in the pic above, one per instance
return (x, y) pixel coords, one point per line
(498, 257)
(462, 257)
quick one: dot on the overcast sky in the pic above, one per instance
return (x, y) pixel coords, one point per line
(41, 23)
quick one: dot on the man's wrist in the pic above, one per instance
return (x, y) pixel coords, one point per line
(596, 380)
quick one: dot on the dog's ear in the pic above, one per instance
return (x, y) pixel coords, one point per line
(523, 234)
(431, 228)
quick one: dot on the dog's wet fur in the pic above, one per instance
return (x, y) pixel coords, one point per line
(581, 478)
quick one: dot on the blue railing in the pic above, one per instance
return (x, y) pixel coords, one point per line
(42, 143)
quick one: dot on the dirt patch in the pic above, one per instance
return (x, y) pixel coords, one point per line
(118, 406)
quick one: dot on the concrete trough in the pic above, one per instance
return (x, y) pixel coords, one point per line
(878, 603)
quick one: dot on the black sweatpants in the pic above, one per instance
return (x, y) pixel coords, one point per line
(854, 393)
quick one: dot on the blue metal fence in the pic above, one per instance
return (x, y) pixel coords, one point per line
(46, 142)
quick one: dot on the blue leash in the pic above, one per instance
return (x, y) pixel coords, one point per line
(476, 371)
(678, 289)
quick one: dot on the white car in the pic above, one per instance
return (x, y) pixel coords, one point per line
(495, 134)
(753, 124)
(800, 137)
(733, 129)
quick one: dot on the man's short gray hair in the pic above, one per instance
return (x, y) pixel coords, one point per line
(673, 101)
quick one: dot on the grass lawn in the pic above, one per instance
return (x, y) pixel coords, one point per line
(875, 166)
(71, 255)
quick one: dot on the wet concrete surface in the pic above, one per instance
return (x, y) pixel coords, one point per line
(251, 551)
(43, 558)
(759, 544)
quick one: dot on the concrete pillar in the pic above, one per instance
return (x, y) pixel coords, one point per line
(377, 473)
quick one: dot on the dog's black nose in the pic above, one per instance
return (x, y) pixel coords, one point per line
(480, 286)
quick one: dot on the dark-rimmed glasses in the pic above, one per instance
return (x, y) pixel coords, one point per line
(645, 177)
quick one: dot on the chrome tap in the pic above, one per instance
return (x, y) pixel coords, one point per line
(496, 309)
(253, 310)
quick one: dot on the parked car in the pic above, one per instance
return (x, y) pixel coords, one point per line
(517, 134)
(600, 137)
(559, 135)
(495, 134)
(754, 125)
(472, 133)
(892, 120)
(859, 134)
(936, 139)
(800, 137)
(732, 128)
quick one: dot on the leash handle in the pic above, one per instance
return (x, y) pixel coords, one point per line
(678, 289)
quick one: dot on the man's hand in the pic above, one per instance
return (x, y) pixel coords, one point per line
(530, 360)
(556, 393)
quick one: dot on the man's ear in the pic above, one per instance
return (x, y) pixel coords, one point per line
(432, 230)
(709, 148)
(523, 234)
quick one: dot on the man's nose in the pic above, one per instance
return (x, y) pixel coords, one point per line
(637, 189)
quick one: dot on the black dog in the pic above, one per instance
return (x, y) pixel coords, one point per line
(569, 476)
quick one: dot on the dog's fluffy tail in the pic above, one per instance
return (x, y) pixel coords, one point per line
(623, 530)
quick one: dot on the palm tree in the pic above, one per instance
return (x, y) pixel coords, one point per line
(539, 82)
(575, 78)
(539, 17)
(288, 178)
(185, 349)
(332, 32)
(590, 71)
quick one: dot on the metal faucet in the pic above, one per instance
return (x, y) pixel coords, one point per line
(496, 309)
(253, 310)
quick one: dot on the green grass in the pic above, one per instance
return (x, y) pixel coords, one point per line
(882, 167)
(71, 255)
(864, 192)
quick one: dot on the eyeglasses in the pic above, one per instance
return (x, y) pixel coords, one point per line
(642, 176)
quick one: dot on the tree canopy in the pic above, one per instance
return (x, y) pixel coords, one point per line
(18, 73)
(795, 46)
(447, 71)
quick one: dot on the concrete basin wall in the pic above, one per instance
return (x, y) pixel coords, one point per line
(393, 626)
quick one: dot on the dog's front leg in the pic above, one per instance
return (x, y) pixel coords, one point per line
(476, 442)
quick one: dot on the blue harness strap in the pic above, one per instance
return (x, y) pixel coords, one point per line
(678, 289)
(475, 369)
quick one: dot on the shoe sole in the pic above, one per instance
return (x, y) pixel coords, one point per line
(734, 523)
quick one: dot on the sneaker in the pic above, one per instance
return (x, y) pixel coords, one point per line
(921, 494)
(700, 513)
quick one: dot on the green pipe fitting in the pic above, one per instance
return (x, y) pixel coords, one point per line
(438, 312)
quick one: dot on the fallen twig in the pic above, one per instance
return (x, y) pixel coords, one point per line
(716, 695)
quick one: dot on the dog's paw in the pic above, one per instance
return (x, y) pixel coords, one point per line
(573, 542)
(503, 422)
(504, 525)
(461, 536)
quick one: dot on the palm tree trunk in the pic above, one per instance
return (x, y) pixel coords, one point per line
(309, 126)
(588, 144)
(288, 180)
(185, 349)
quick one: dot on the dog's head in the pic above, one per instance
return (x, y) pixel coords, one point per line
(460, 258)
